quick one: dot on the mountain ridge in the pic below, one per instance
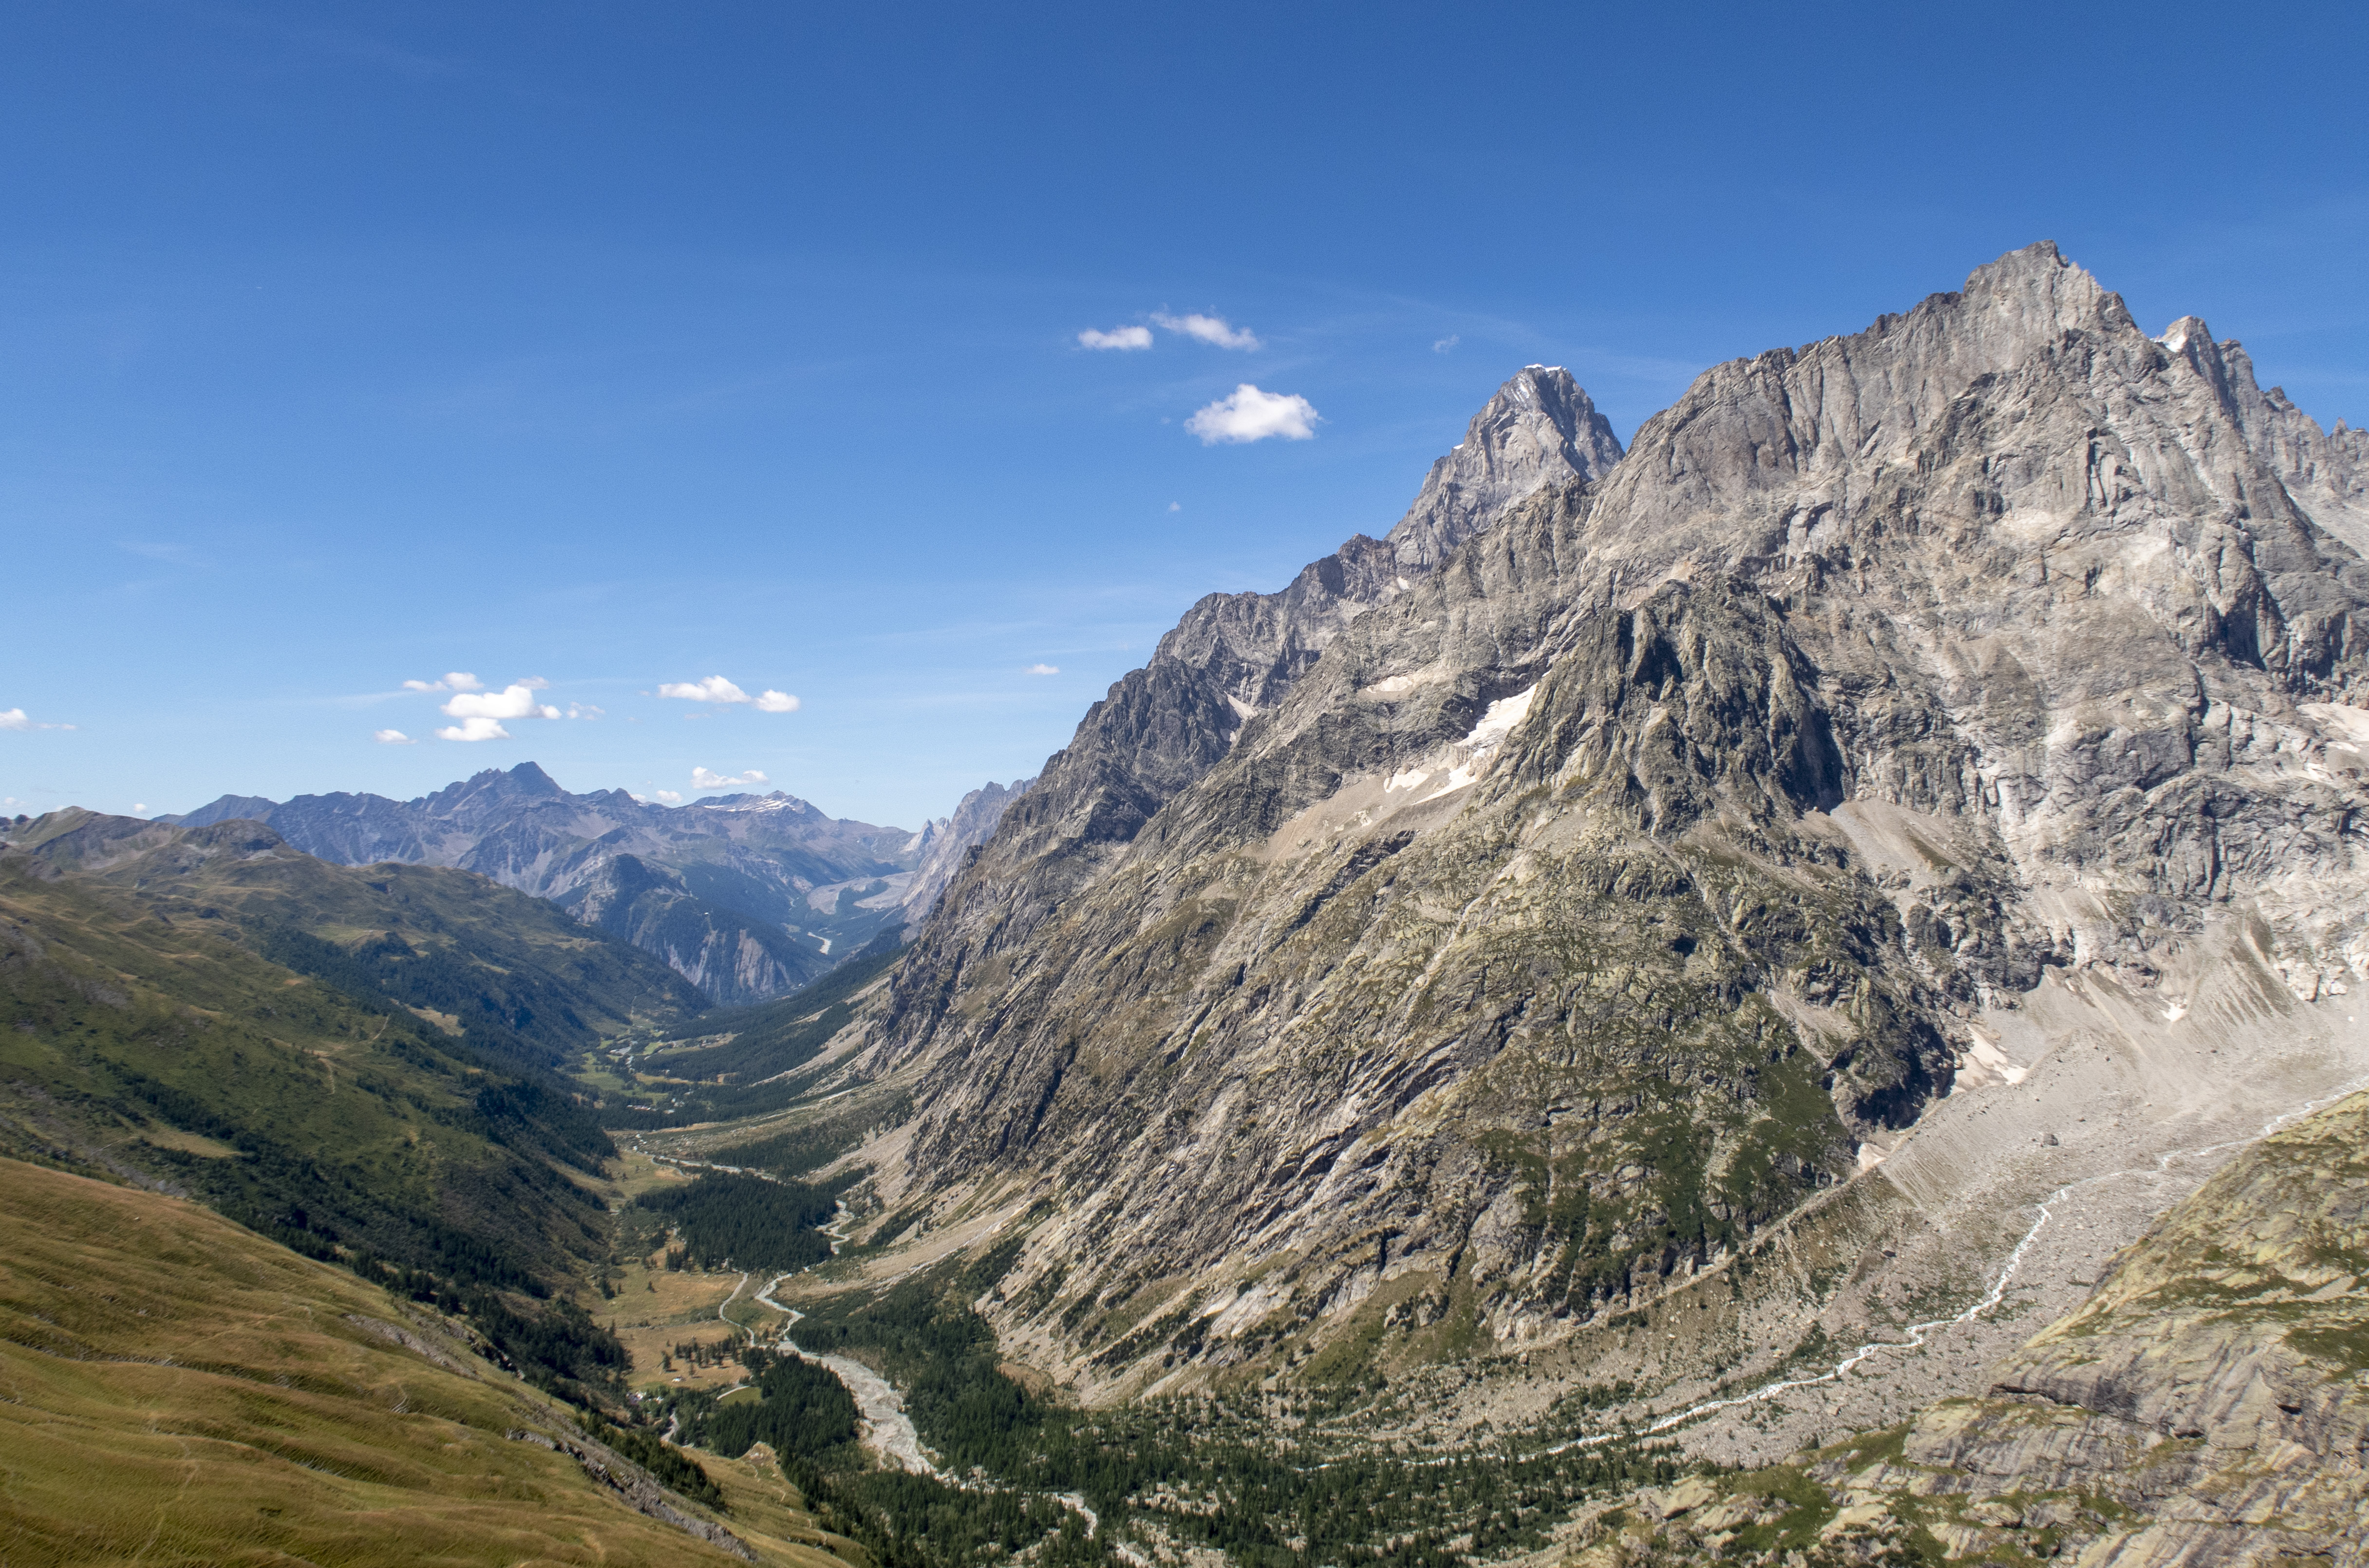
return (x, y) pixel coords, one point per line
(2059, 662)
(741, 894)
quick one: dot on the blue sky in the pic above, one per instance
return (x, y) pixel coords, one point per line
(620, 345)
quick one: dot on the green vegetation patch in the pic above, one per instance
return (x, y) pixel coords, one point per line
(740, 1222)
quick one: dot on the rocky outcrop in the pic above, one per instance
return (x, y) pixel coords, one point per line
(1523, 948)
(732, 958)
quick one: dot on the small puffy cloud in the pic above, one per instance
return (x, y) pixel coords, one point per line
(715, 688)
(1116, 337)
(586, 710)
(140, 807)
(479, 727)
(1043, 670)
(1176, 506)
(514, 701)
(392, 738)
(1447, 345)
(1209, 329)
(671, 796)
(1251, 415)
(456, 680)
(701, 779)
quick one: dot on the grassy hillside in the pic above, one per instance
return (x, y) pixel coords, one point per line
(176, 1390)
(143, 1043)
(513, 973)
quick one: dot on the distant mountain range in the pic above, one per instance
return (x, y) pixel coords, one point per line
(746, 896)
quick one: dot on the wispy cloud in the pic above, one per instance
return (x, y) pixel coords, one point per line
(1214, 330)
(458, 680)
(1251, 415)
(717, 690)
(1445, 345)
(392, 738)
(701, 779)
(15, 718)
(1043, 670)
(586, 710)
(1121, 337)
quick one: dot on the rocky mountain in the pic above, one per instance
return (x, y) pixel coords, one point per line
(943, 845)
(1233, 656)
(1418, 965)
(746, 896)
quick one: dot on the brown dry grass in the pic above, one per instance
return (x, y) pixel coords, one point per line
(174, 1389)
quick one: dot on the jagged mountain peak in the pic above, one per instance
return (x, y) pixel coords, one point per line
(1539, 429)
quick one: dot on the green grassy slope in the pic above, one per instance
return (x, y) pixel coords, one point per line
(515, 973)
(141, 1035)
(176, 1390)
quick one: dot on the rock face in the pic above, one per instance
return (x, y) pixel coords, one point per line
(943, 846)
(1540, 430)
(746, 896)
(1439, 959)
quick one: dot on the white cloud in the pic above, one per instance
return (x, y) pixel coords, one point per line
(1251, 415)
(586, 710)
(1446, 344)
(455, 680)
(514, 701)
(140, 806)
(393, 738)
(478, 729)
(671, 796)
(701, 779)
(1116, 337)
(14, 718)
(1176, 506)
(1209, 329)
(1043, 670)
(715, 688)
